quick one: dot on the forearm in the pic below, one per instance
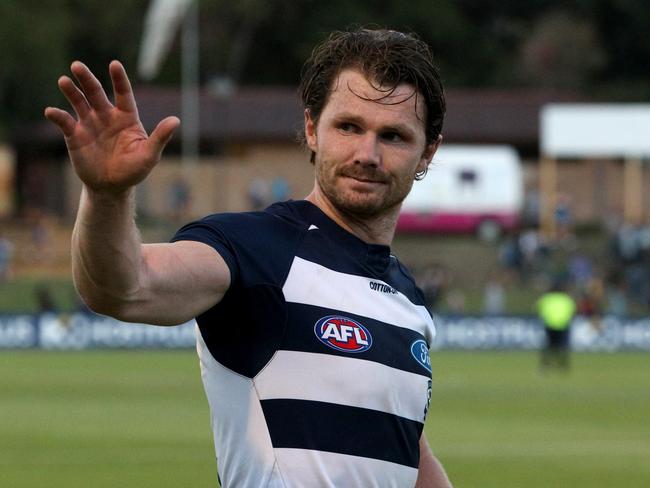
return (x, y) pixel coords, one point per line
(106, 251)
(431, 474)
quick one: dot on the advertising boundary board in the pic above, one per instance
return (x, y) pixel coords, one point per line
(88, 331)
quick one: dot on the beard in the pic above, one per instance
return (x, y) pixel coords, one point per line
(383, 196)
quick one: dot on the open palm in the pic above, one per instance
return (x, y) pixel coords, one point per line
(108, 146)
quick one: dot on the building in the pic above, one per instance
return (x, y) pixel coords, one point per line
(251, 138)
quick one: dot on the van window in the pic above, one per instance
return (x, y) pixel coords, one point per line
(467, 177)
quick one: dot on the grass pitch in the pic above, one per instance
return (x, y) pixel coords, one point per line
(140, 419)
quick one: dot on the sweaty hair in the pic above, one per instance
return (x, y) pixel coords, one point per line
(387, 58)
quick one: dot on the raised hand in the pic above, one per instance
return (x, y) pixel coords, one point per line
(108, 146)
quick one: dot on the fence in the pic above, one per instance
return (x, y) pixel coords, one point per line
(87, 331)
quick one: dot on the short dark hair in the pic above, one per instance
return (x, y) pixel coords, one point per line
(387, 58)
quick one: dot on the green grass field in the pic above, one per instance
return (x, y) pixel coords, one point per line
(139, 419)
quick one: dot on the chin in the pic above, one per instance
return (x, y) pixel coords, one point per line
(363, 205)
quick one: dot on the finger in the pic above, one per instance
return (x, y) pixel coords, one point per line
(124, 99)
(162, 134)
(75, 96)
(62, 119)
(91, 87)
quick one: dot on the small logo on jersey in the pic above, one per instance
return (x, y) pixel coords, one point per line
(382, 287)
(343, 334)
(420, 351)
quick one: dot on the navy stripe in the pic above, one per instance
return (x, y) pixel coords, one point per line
(301, 424)
(257, 246)
(245, 328)
(391, 346)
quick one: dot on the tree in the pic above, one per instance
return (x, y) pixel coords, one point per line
(34, 36)
(561, 52)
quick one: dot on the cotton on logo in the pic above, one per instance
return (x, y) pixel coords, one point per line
(343, 334)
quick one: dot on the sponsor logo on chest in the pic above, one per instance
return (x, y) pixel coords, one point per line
(343, 334)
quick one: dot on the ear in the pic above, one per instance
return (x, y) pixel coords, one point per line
(310, 131)
(428, 153)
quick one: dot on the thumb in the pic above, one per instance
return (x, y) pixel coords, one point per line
(162, 134)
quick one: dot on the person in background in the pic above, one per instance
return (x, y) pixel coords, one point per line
(494, 296)
(6, 255)
(556, 309)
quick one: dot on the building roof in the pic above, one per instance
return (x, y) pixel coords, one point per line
(275, 115)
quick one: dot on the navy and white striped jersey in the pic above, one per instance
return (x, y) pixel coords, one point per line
(315, 362)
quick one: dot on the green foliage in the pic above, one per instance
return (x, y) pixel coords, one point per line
(33, 36)
(257, 42)
(101, 32)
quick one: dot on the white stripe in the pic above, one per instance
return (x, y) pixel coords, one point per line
(312, 284)
(242, 441)
(301, 468)
(344, 381)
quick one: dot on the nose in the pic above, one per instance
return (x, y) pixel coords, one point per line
(368, 151)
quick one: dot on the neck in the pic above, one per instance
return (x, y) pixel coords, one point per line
(376, 229)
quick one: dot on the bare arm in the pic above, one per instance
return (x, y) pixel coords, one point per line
(431, 474)
(116, 275)
(111, 153)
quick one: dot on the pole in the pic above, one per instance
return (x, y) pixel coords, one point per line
(548, 196)
(190, 106)
(633, 191)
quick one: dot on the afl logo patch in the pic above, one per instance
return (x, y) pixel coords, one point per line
(343, 334)
(420, 351)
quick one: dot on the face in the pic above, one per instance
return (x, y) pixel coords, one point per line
(368, 147)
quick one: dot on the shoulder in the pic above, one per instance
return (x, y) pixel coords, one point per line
(276, 220)
(250, 240)
(402, 279)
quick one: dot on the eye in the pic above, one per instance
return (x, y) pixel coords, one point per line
(392, 136)
(348, 127)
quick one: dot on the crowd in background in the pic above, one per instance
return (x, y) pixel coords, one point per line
(613, 280)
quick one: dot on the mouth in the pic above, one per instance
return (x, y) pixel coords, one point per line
(366, 180)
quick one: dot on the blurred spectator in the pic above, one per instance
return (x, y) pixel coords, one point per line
(178, 199)
(556, 309)
(529, 245)
(628, 244)
(456, 301)
(40, 227)
(279, 189)
(531, 209)
(590, 301)
(433, 280)
(563, 217)
(637, 277)
(580, 269)
(494, 296)
(615, 290)
(510, 255)
(44, 300)
(258, 194)
(631, 248)
(6, 255)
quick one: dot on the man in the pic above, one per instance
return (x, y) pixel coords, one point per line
(313, 339)
(556, 309)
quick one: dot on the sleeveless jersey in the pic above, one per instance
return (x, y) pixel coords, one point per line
(315, 362)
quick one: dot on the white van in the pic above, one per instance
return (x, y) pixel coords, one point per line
(469, 188)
